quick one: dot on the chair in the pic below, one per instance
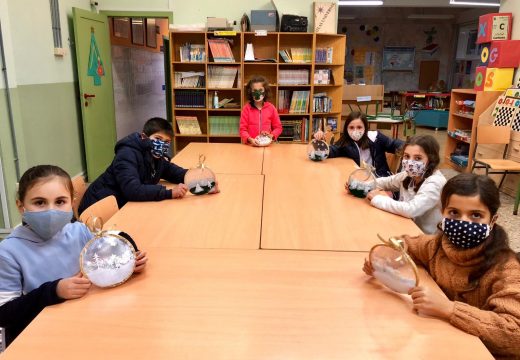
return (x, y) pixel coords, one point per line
(103, 209)
(500, 135)
(78, 187)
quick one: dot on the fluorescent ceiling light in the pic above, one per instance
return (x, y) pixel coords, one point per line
(361, 3)
(431, 16)
(475, 3)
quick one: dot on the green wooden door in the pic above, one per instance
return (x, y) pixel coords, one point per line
(93, 57)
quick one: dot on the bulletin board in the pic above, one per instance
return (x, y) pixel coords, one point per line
(398, 58)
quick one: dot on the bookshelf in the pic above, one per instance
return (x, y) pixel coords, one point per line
(465, 119)
(221, 124)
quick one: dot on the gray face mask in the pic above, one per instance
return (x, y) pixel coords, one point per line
(47, 223)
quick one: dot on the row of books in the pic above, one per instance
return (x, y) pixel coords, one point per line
(330, 124)
(293, 77)
(189, 79)
(222, 76)
(323, 55)
(322, 76)
(192, 53)
(321, 103)
(296, 55)
(293, 102)
(220, 50)
(188, 125)
(224, 125)
(190, 98)
(295, 130)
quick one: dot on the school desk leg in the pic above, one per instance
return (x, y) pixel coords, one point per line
(517, 201)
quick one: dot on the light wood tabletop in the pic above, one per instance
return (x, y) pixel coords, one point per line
(244, 304)
(223, 158)
(229, 219)
(307, 207)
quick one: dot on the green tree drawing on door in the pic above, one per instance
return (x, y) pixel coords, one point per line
(93, 58)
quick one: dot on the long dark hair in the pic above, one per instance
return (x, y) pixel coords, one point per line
(345, 138)
(258, 79)
(497, 243)
(39, 173)
(431, 148)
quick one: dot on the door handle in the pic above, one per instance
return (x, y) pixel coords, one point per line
(86, 96)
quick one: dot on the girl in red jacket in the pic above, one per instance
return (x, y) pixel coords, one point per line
(259, 116)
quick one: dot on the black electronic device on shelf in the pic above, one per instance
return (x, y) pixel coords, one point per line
(293, 23)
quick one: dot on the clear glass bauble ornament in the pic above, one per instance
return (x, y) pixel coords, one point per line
(361, 182)
(263, 140)
(393, 267)
(318, 150)
(201, 179)
(108, 259)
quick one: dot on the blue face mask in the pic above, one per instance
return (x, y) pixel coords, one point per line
(465, 234)
(159, 148)
(47, 223)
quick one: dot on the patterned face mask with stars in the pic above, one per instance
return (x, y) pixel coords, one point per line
(414, 167)
(465, 234)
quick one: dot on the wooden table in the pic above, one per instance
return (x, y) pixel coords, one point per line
(243, 304)
(223, 158)
(307, 207)
(230, 219)
(394, 124)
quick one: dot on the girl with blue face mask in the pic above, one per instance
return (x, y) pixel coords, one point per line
(419, 185)
(472, 263)
(39, 260)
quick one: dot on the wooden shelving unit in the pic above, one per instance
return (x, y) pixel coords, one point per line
(265, 47)
(465, 121)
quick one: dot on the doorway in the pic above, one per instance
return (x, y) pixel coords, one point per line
(139, 76)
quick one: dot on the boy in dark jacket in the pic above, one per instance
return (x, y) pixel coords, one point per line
(141, 161)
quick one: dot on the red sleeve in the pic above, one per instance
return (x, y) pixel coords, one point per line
(276, 124)
(244, 120)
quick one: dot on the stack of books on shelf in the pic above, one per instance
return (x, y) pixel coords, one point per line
(296, 55)
(323, 55)
(299, 102)
(460, 155)
(322, 76)
(293, 77)
(438, 103)
(463, 135)
(222, 77)
(321, 102)
(224, 125)
(188, 125)
(190, 99)
(189, 79)
(331, 123)
(284, 101)
(221, 50)
(294, 130)
(192, 53)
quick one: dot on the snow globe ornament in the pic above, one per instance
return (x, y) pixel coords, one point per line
(108, 259)
(263, 140)
(200, 180)
(361, 181)
(318, 150)
(392, 266)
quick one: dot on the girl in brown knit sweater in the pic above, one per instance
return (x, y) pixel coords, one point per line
(472, 263)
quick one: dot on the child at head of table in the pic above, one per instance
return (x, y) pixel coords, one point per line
(259, 116)
(472, 263)
(39, 263)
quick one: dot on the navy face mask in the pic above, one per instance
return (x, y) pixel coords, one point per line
(465, 234)
(159, 148)
(258, 94)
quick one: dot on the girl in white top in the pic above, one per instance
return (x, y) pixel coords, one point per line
(419, 185)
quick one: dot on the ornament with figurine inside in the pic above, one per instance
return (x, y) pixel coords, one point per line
(201, 179)
(318, 150)
(108, 259)
(263, 140)
(392, 266)
(361, 181)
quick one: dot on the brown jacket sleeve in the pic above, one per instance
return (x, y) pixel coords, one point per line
(497, 324)
(421, 248)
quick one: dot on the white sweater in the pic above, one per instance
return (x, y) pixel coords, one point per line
(424, 207)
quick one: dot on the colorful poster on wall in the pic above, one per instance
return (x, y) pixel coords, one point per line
(398, 58)
(95, 64)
